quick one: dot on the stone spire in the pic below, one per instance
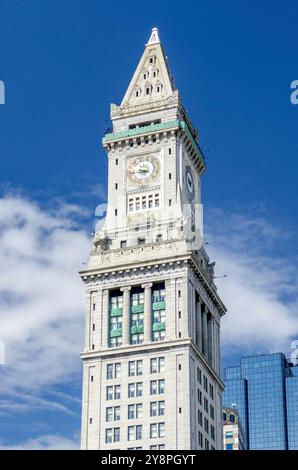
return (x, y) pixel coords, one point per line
(152, 80)
(154, 38)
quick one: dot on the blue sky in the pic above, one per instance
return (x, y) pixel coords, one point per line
(63, 63)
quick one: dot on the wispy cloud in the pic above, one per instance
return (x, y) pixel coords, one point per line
(260, 291)
(42, 300)
(46, 442)
(41, 294)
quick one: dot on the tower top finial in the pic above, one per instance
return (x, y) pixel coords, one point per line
(154, 38)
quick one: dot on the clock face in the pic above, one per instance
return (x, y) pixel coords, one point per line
(190, 187)
(143, 170)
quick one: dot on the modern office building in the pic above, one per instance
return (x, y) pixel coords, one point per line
(264, 390)
(292, 407)
(233, 433)
(151, 360)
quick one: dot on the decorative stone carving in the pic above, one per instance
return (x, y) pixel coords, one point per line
(101, 241)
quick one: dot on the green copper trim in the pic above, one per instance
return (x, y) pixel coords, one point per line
(137, 308)
(159, 305)
(136, 329)
(112, 136)
(159, 326)
(114, 333)
(139, 130)
(116, 312)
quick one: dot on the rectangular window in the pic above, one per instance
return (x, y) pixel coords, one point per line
(200, 418)
(212, 411)
(157, 430)
(117, 370)
(131, 433)
(206, 425)
(157, 365)
(229, 435)
(116, 434)
(157, 387)
(139, 367)
(157, 408)
(161, 430)
(200, 439)
(139, 433)
(153, 408)
(159, 316)
(131, 412)
(117, 413)
(205, 383)
(117, 392)
(139, 389)
(153, 431)
(109, 393)
(199, 375)
(110, 371)
(159, 335)
(134, 433)
(139, 410)
(131, 368)
(109, 414)
(131, 390)
(153, 387)
(109, 436)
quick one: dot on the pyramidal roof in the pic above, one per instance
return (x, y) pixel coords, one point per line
(152, 80)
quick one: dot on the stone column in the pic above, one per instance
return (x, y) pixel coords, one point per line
(126, 316)
(87, 321)
(204, 332)
(199, 325)
(210, 339)
(105, 318)
(147, 312)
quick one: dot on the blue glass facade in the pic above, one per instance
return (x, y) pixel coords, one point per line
(264, 390)
(292, 407)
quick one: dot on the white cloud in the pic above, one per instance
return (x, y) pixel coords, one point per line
(42, 299)
(260, 291)
(47, 442)
(41, 294)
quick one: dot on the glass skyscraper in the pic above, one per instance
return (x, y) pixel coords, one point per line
(264, 390)
(292, 407)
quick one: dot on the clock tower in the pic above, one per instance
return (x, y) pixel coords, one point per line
(151, 358)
